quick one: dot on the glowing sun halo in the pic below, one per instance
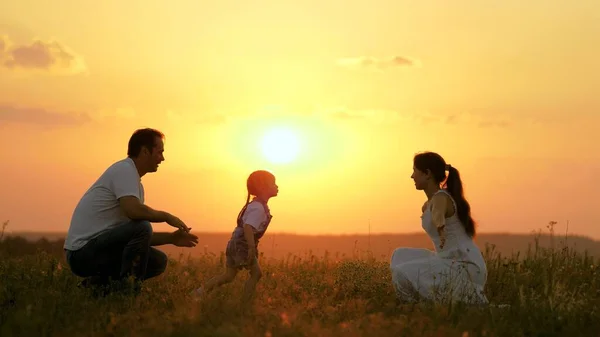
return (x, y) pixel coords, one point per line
(280, 146)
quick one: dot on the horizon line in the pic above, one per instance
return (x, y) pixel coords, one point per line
(366, 234)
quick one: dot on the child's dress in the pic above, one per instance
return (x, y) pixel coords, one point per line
(456, 272)
(257, 215)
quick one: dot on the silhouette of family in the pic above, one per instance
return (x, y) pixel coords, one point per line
(110, 237)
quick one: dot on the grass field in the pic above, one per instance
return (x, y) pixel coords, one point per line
(551, 292)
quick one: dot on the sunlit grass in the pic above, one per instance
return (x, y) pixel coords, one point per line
(551, 292)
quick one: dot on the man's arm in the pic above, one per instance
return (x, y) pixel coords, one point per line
(179, 238)
(161, 238)
(135, 210)
(125, 184)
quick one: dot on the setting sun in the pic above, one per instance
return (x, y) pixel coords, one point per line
(280, 146)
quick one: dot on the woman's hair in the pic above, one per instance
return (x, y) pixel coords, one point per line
(255, 182)
(434, 163)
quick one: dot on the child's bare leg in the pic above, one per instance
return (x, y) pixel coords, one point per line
(219, 280)
(250, 286)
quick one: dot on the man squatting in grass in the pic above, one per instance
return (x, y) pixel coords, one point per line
(110, 235)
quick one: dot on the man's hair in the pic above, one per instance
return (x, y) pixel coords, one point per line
(143, 138)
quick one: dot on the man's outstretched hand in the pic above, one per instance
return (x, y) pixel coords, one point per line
(183, 238)
(177, 223)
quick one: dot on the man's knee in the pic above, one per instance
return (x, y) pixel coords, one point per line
(157, 262)
(162, 260)
(143, 228)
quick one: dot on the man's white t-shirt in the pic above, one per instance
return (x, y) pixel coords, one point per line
(99, 209)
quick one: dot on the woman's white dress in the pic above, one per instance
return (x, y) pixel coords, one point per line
(456, 272)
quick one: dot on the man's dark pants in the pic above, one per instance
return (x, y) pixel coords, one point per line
(119, 253)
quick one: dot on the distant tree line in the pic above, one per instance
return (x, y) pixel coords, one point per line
(19, 246)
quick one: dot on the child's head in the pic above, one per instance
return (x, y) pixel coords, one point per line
(262, 184)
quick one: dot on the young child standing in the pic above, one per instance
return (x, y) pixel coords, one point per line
(252, 223)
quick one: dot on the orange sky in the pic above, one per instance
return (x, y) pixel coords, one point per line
(506, 92)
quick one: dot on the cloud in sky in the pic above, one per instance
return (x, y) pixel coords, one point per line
(366, 115)
(121, 113)
(41, 117)
(480, 120)
(424, 118)
(45, 117)
(49, 56)
(195, 118)
(368, 62)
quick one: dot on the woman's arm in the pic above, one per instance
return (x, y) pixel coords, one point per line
(439, 208)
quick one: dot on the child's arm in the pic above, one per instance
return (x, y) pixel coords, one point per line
(249, 236)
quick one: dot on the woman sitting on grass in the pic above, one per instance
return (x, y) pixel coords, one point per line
(456, 270)
(252, 223)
